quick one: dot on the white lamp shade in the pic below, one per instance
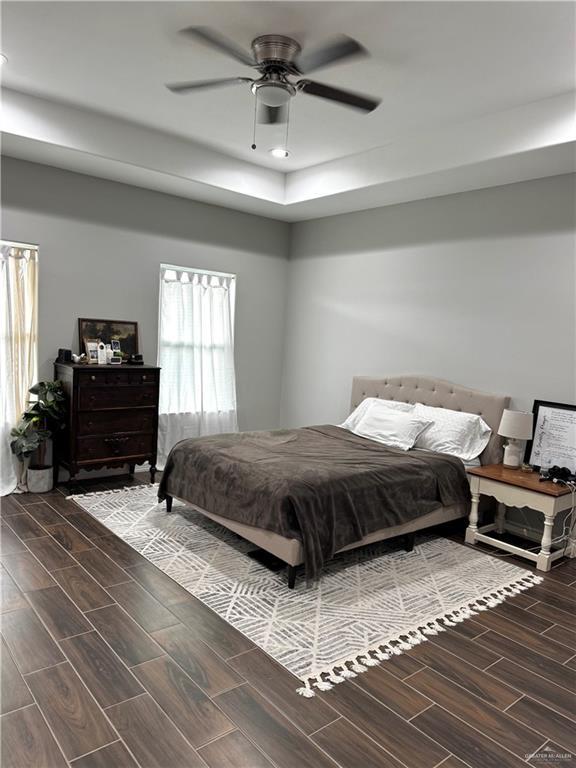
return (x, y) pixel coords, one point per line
(516, 424)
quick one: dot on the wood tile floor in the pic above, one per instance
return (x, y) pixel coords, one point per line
(108, 663)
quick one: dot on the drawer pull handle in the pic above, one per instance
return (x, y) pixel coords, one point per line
(116, 439)
(92, 378)
(144, 377)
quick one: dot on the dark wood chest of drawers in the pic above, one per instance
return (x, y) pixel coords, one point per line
(112, 416)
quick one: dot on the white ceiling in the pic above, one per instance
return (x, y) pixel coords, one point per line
(474, 94)
(433, 64)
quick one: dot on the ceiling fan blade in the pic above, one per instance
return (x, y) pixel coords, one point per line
(221, 43)
(348, 98)
(198, 85)
(341, 47)
(272, 115)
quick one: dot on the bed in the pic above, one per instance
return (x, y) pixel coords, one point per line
(263, 486)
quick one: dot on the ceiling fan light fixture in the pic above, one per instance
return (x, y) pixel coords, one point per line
(272, 94)
(279, 152)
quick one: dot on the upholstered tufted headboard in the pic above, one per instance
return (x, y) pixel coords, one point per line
(441, 394)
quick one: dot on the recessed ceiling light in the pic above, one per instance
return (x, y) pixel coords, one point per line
(279, 152)
(3, 60)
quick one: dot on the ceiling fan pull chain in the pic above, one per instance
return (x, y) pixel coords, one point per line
(254, 127)
(287, 126)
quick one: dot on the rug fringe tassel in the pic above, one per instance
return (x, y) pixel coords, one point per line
(328, 678)
(114, 491)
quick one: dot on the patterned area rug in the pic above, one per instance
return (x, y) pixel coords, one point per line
(370, 603)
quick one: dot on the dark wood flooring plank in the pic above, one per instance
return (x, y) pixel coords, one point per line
(204, 666)
(44, 514)
(82, 589)
(14, 693)
(75, 718)
(562, 635)
(10, 506)
(61, 504)
(58, 613)
(68, 537)
(27, 741)
(101, 567)
(402, 666)
(350, 747)
(27, 572)
(10, 596)
(162, 587)
(51, 555)
(535, 662)
(142, 607)
(491, 721)
(26, 527)
(466, 649)
(535, 686)
(10, 543)
(541, 718)
(453, 762)
(197, 717)
(117, 549)
(279, 686)
(233, 751)
(554, 615)
(128, 640)
(393, 733)
(523, 600)
(475, 749)
(267, 727)
(522, 617)
(151, 736)
(106, 677)
(30, 644)
(553, 596)
(401, 698)
(469, 629)
(471, 678)
(211, 628)
(113, 756)
(527, 637)
(88, 525)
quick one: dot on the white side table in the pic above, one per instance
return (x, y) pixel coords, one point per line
(514, 488)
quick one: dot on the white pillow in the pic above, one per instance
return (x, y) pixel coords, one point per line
(396, 429)
(459, 434)
(376, 402)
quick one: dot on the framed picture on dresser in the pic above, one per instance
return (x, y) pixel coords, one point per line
(122, 335)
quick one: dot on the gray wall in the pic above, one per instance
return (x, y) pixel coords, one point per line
(478, 288)
(101, 244)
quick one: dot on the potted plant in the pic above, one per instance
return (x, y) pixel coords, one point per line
(43, 417)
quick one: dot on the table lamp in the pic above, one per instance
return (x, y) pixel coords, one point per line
(516, 426)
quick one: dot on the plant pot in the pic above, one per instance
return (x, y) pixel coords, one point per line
(40, 479)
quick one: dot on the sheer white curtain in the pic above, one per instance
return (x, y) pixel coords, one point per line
(196, 354)
(18, 345)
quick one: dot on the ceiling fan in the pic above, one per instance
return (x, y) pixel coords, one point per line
(278, 58)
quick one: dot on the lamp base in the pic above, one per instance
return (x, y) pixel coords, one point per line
(513, 454)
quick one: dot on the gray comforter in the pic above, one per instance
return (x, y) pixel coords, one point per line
(322, 484)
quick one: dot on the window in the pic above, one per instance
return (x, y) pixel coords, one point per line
(196, 354)
(18, 344)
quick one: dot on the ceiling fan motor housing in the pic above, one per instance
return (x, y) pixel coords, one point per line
(270, 50)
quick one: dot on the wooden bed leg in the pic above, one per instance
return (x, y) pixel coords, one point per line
(408, 541)
(168, 503)
(291, 576)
